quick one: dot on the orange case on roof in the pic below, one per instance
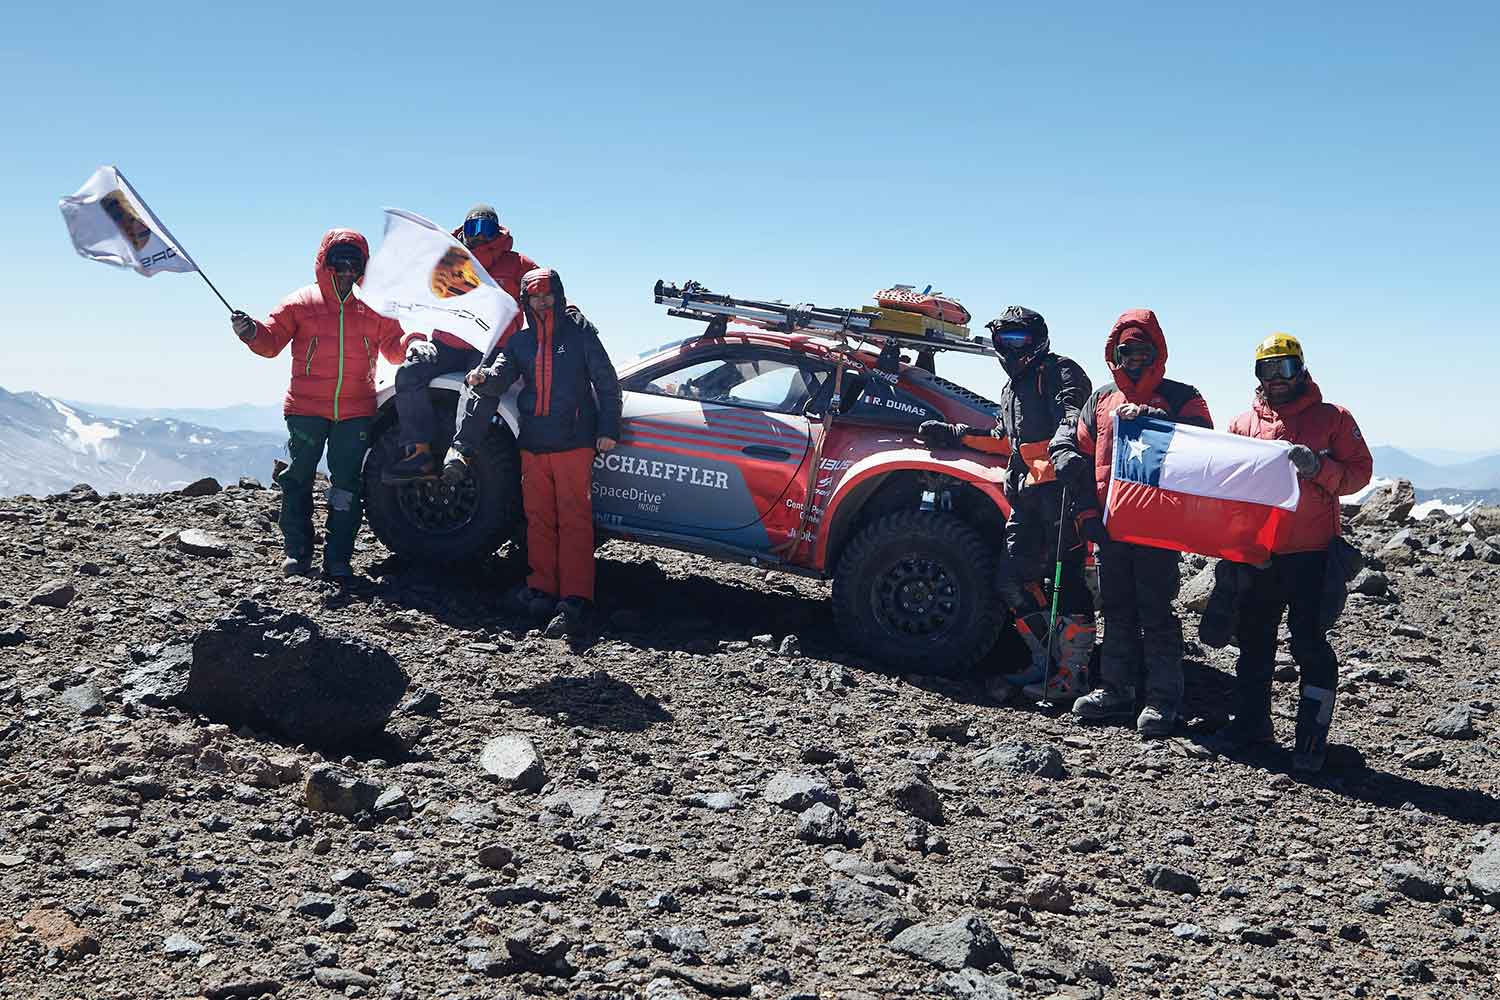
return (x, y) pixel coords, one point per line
(937, 306)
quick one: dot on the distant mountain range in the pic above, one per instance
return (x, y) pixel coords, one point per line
(1474, 474)
(48, 446)
(241, 417)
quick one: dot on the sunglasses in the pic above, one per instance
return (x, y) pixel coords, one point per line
(346, 262)
(482, 228)
(1126, 352)
(1275, 368)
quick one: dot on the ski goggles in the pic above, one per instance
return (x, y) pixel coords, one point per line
(1134, 351)
(345, 258)
(1286, 367)
(481, 228)
(1010, 340)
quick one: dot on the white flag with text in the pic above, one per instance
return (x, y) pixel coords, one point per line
(110, 223)
(427, 280)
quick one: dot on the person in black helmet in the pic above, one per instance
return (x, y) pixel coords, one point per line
(1039, 409)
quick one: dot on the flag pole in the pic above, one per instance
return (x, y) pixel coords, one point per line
(168, 234)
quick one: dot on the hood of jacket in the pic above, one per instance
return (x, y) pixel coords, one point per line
(330, 239)
(1141, 391)
(559, 303)
(1311, 396)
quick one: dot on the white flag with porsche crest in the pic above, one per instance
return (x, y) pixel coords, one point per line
(110, 223)
(427, 280)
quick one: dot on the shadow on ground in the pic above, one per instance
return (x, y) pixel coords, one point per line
(594, 701)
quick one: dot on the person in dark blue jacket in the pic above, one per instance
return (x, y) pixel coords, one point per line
(569, 411)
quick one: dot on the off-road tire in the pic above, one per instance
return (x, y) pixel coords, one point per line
(429, 521)
(914, 554)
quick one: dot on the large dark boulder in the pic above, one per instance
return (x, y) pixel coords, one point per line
(276, 672)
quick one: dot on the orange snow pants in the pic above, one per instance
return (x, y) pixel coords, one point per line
(559, 521)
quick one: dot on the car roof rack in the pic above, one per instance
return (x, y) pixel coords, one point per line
(916, 331)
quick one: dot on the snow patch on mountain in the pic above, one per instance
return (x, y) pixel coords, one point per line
(81, 435)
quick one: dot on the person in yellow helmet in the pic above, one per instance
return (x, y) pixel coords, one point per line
(1333, 460)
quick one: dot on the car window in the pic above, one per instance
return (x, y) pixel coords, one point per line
(746, 380)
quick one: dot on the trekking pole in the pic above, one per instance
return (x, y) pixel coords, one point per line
(1056, 589)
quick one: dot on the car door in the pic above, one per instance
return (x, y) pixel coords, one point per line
(711, 441)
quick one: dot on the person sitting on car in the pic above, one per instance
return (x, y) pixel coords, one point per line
(331, 402)
(493, 247)
(569, 411)
(1039, 409)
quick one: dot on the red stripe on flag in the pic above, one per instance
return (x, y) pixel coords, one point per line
(1226, 529)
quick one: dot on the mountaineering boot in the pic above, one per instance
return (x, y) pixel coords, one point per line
(1155, 722)
(573, 620)
(338, 569)
(1252, 717)
(417, 464)
(533, 603)
(1106, 703)
(1314, 715)
(292, 566)
(455, 467)
(1069, 678)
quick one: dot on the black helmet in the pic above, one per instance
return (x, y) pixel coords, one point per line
(1020, 337)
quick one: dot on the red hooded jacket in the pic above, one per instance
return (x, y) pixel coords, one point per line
(334, 344)
(506, 265)
(1096, 425)
(1328, 430)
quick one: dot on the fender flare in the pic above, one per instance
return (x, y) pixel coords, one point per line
(454, 382)
(985, 473)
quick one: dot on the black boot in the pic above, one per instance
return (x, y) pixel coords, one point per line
(1314, 716)
(417, 464)
(1251, 727)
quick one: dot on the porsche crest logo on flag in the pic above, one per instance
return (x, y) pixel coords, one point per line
(454, 274)
(109, 222)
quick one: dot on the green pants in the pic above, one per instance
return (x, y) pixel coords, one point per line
(347, 442)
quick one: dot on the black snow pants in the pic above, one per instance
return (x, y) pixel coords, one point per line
(413, 406)
(1292, 583)
(1137, 585)
(1031, 536)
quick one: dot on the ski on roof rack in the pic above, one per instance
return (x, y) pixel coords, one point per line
(879, 326)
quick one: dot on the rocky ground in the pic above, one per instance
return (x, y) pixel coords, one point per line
(708, 801)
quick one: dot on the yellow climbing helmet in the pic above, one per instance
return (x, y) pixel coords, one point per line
(1279, 345)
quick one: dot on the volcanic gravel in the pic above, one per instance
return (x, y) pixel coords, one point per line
(693, 806)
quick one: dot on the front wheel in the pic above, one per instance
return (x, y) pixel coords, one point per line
(914, 590)
(430, 520)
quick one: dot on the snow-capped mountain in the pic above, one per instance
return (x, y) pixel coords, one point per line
(48, 446)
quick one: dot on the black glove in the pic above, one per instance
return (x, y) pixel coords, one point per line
(421, 352)
(244, 326)
(1305, 459)
(937, 434)
(1091, 527)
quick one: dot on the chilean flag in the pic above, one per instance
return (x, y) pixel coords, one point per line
(1176, 486)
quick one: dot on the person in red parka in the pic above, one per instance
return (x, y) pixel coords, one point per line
(493, 247)
(1137, 583)
(335, 340)
(1332, 460)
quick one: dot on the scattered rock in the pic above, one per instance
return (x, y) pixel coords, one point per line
(1049, 894)
(964, 942)
(53, 594)
(854, 903)
(200, 543)
(1195, 592)
(495, 855)
(971, 984)
(1411, 879)
(1423, 759)
(277, 672)
(914, 795)
(1484, 874)
(1391, 505)
(1457, 723)
(1020, 757)
(820, 823)
(205, 487)
(332, 789)
(56, 930)
(796, 792)
(181, 946)
(1172, 880)
(342, 979)
(86, 699)
(513, 760)
(1371, 583)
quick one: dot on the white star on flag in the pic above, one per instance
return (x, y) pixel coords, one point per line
(1137, 449)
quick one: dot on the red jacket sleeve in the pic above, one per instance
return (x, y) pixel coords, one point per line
(1348, 466)
(393, 340)
(1195, 412)
(272, 336)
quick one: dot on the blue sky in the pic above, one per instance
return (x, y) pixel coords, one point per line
(1327, 169)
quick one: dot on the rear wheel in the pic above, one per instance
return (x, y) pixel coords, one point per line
(915, 590)
(431, 521)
